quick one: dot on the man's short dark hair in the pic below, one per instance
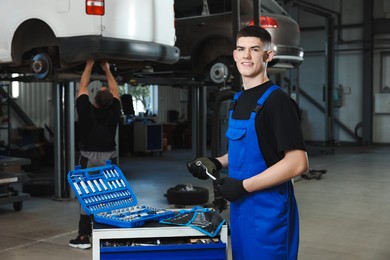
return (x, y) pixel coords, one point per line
(104, 98)
(255, 31)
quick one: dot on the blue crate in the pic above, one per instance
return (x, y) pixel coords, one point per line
(105, 194)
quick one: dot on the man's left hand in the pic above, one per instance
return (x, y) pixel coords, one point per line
(231, 189)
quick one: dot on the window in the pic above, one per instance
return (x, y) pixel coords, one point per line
(15, 86)
(145, 99)
(218, 6)
(185, 8)
(385, 77)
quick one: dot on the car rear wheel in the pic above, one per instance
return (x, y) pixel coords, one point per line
(220, 71)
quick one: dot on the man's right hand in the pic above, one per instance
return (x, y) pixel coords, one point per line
(85, 78)
(198, 165)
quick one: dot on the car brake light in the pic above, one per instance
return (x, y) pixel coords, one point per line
(95, 7)
(266, 22)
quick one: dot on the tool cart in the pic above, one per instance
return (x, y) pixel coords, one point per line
(9, 178)
(124, 229)
(9, 194)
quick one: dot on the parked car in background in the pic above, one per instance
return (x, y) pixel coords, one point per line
(47, 37)
(205, 36)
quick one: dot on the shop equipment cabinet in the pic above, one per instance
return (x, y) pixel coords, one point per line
(147, 137)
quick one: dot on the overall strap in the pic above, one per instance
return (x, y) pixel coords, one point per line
(263, 98)
(234, 100)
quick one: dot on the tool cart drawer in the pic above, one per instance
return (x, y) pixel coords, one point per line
(175, 242)
(174, 251)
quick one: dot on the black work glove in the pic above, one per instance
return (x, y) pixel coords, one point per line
(231, 189)
(198, 171)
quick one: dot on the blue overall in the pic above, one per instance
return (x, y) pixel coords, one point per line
(264, 224)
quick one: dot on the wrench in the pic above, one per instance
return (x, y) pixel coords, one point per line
(199, 163)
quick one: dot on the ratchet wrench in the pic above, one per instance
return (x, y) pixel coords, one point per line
(199, 163)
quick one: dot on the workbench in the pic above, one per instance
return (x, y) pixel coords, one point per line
(10, 174)
(118, 243)
(12, 164)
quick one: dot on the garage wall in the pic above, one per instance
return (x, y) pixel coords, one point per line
(172, 98)
(35, 99)
(348, 71)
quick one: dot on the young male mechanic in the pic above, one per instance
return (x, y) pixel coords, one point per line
(266, 150)
(98, 123)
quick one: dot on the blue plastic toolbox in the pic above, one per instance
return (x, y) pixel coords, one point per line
(105, 194)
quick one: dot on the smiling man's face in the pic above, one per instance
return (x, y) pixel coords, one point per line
(251, 56)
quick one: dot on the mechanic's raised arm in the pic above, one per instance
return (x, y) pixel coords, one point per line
(85, 78)
(112, 85)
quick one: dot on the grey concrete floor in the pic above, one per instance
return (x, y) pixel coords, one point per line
(344, 215)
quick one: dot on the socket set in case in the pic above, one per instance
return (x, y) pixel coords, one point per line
(105, 194)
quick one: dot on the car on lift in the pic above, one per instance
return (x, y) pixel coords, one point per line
(47, 38)
(205, 37)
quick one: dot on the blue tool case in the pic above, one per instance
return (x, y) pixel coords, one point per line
(105, 194)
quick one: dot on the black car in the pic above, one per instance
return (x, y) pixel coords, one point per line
(205, 38)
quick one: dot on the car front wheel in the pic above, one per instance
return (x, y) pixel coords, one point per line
(41, 65)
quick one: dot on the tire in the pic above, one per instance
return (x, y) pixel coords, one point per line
(187, 195)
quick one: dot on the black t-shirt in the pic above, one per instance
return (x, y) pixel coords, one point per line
(97, 127)
(278, 123)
